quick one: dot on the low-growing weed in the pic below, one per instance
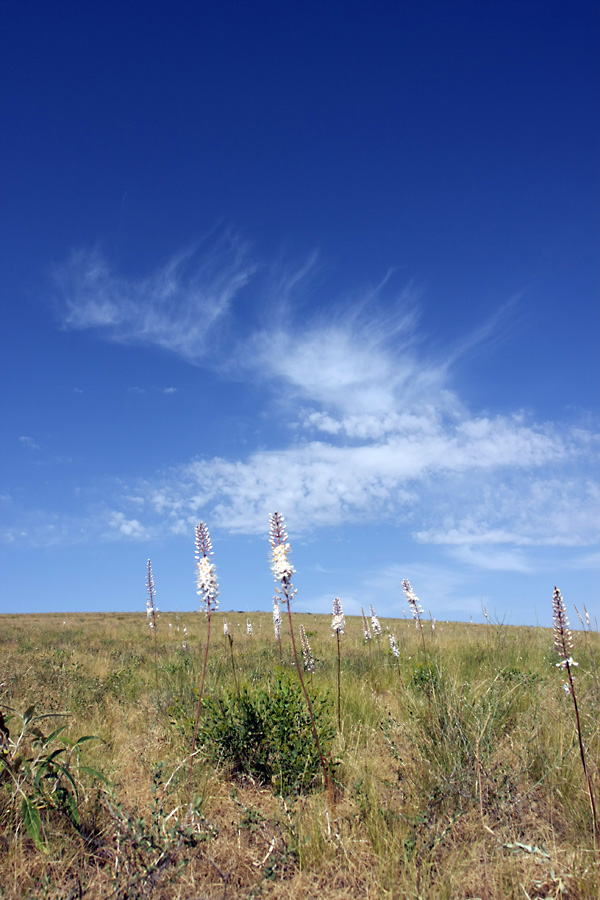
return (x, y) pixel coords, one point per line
(40, 772)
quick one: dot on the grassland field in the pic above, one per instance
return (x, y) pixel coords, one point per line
(456, 772)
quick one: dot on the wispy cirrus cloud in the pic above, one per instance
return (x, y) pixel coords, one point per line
(357, 357)
(377, 430)
(28, 442)
(176, 308)
(40, 528)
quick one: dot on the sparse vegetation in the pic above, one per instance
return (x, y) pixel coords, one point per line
(484, 798)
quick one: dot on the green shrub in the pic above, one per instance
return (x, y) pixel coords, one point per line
(267, 733)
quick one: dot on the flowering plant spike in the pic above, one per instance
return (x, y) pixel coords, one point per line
(366, 629)
(413, 601)
(563, 637)
(206, 581)
(563, 641)
(338, 622)
(375, 622)
(309, 660)
(151, 607)
(282, 571)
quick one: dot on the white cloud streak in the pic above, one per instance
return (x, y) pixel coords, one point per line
(414, 478)
(377, 431)
(176, 308)
(27, 441)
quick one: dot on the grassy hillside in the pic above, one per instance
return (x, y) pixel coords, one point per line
(456, 772)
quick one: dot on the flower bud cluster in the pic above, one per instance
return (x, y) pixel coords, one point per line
(563, 638)
(277, 533)
(394, 646)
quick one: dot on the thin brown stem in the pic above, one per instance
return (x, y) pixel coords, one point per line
(286, 594)
(583, 760)
(237, 687)
(339, 684)
(198, 707)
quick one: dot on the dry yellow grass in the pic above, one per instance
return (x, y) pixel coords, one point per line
(482, 797)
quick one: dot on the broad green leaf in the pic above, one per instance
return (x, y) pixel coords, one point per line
(33, 824)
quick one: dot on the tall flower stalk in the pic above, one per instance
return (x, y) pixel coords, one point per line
(368, 638)
(282, 572)
(208, 591)
(152, 616)
(417, 611)
(563, 641)
(338, 624)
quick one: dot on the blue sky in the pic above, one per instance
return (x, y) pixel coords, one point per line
(335, 259)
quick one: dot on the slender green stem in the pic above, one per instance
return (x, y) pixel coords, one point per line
(156, 663)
